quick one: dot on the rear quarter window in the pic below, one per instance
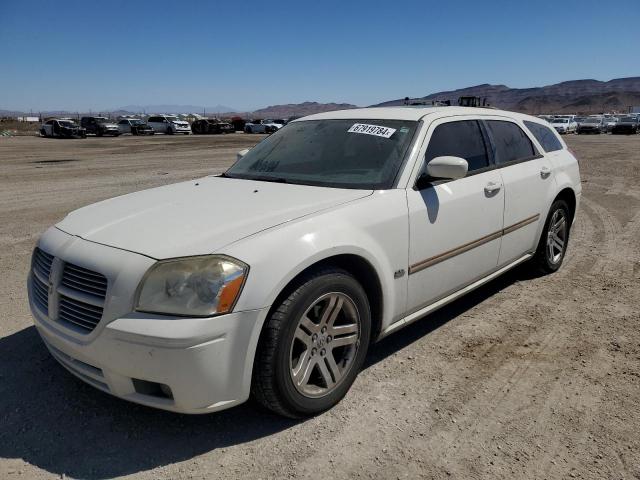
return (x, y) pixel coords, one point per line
(511, 144)
(545, 136)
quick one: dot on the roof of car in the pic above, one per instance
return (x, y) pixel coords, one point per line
(412, 113)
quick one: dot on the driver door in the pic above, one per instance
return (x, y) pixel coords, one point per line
(455, 226)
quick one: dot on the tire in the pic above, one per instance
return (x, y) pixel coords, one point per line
(293, 343)
(170, 131)
(43, 132)
(548, 259)
(99, 133)
(248, 130)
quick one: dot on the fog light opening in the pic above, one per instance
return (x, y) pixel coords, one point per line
(153, 389)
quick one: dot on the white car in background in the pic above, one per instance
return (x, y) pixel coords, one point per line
(275, 277)
(261, 126)
(169, 124)
(564, 125)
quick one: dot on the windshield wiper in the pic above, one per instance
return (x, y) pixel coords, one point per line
(257, 178)
(268, 178)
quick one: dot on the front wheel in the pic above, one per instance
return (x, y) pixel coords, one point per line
(554, 239)
(313, 345)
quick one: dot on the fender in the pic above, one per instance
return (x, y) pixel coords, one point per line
(374, 228)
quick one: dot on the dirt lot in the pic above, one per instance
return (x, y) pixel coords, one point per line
(526, 378)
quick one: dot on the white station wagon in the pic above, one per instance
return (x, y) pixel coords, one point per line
(274, 278)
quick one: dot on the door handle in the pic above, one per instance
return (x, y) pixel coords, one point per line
(492, 187)
(545, 172)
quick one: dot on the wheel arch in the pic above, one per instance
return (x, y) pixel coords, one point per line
(361, 269)
(569, 196)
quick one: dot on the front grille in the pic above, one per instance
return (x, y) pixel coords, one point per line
(40, 294)
(83, 280)
(42, 264)
(76, 299)
(80, 314)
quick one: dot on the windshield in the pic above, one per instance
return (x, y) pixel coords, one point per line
(364, 154)
(101, 120)
(172, 119)
(560, 120)
(627, 119)
(66, 123)
(137, 122)
(592, 120)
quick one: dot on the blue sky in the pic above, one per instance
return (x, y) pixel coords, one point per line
(102, 55)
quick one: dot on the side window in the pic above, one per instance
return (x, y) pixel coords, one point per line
(510, 142)
(459, 139)
(152, 119)
(545, 136)
(123, 122)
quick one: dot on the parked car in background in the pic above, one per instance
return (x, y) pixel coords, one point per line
(261, 126)
(626, 124)
(211, 125)
(62, 128)
(609, 123)
(275, 278)
(169, 124)
(278, 122)
(592, 125)
(578, 121)
(238, 123)
(100, 126)
(564, 125)
(135, 126)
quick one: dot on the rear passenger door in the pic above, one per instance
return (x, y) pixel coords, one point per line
(454, 225)
(528, 182)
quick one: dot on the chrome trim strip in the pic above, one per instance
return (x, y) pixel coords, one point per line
(421, 265)
(522, 223)
(416, 315)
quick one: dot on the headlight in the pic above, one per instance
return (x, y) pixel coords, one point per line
(199, 286)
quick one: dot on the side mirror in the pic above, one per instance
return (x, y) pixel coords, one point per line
(242, 153)
(450, 168)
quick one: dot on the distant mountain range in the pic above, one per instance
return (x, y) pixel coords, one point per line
(299, 109)
(176, 109)
(575, 96)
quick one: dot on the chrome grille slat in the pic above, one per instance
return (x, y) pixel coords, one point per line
(83, 297)
(69, 273)
(41, 294)
(42, 262)
(89, 309)
(73, 318)
(86, 272)
(83, 287)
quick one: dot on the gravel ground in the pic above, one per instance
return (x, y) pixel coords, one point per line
(525, 378)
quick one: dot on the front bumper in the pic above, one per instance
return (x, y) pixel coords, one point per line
(205, 362)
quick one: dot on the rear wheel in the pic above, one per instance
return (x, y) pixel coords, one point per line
(313, 345)
(554, 239)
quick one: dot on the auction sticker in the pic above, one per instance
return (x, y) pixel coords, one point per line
(376, 130)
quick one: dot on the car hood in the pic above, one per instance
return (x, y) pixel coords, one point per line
(180, 122)
(200, 216)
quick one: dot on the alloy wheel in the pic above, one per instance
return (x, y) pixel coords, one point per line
(325, 344)
(557, 236)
